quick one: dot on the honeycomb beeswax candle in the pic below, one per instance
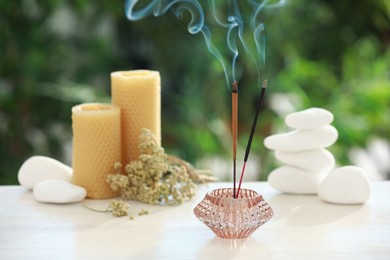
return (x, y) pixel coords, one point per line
(96, 147)
(138, 94)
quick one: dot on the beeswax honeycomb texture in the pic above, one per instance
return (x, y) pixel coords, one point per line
(138, 94)
(96, 147)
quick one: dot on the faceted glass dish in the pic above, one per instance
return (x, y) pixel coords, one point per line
(233, 218)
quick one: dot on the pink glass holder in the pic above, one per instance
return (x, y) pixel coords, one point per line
(233, 218)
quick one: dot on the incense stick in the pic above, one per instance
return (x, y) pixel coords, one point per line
(234, 131)
(248, 147)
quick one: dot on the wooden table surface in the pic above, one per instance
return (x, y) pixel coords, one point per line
(304, 227)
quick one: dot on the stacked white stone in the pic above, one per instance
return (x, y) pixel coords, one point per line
(302, 151)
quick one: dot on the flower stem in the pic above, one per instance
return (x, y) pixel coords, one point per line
(96, 210)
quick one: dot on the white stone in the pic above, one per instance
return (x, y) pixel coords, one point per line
(296, 181)
(309, 118)
(58, 191)
(40, 168)
(302, 139)
(318, 160)
(345, 185)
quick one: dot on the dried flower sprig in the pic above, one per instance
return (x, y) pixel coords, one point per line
(196, 175)
(143, 212)
(155, 178)
(118, 208)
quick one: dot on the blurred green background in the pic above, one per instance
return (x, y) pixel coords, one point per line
(324, 53)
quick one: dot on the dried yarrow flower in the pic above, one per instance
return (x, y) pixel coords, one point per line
(154, 178)
(118, 208)
(143, 212)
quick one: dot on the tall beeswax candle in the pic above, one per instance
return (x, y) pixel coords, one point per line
(138, 94)
(96, 147)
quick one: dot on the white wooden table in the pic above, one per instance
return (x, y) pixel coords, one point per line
(304, 227)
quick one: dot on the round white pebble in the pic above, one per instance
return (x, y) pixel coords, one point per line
(40, 168)
(318, 160)
(345, 185)
(58, 191)
(309, 118)
(295, 181)
(302, 139)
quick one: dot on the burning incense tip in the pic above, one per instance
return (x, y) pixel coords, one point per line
(235, 86)
(265, 82)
